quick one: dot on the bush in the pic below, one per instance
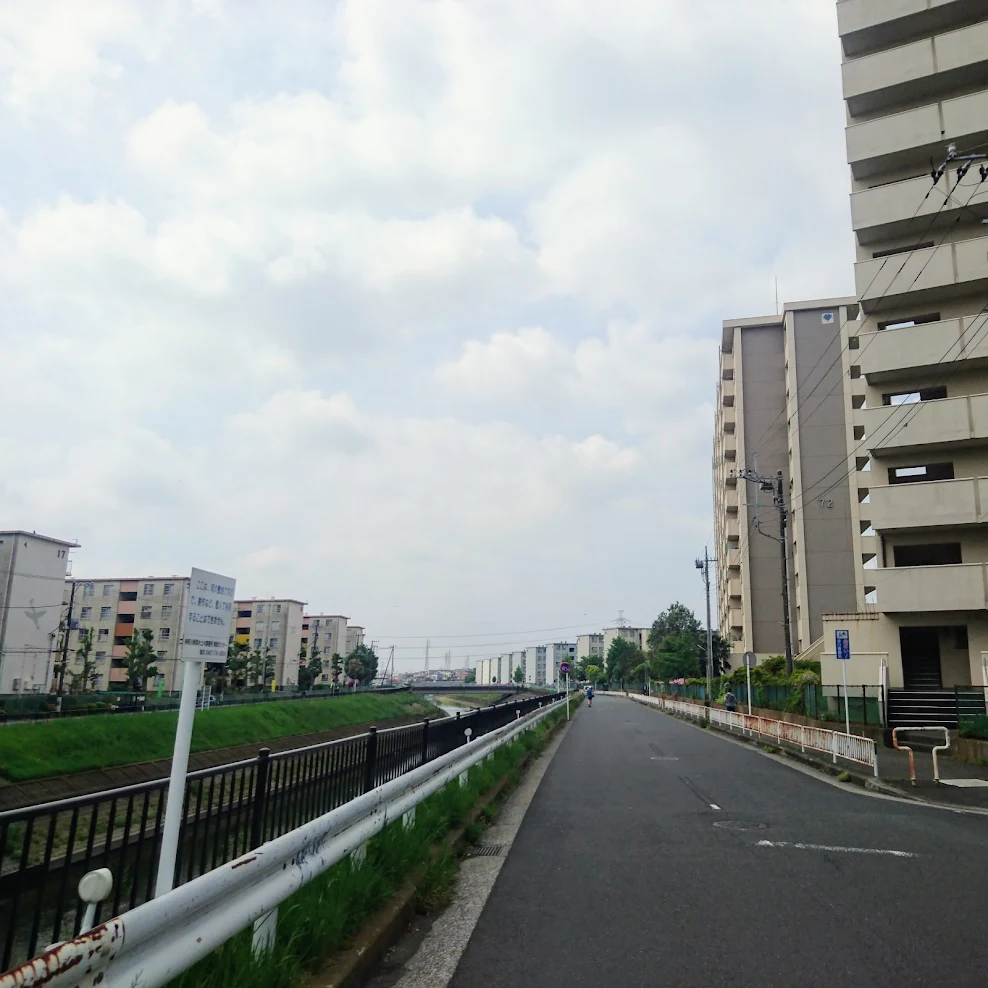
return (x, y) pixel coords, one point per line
(974, 727)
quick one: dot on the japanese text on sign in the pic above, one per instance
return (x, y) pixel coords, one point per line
(209, 618)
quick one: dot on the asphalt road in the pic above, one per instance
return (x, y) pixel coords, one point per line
(630, 870)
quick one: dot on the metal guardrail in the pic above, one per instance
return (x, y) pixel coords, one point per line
(229, 809)
(160, 939)
(850, 747)
(936, 750)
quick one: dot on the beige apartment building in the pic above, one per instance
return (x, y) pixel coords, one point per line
(275, 625)
(114, 608)
(782, 406)
(328, 633)
(590, 647)
(915, 77)
(354, 637)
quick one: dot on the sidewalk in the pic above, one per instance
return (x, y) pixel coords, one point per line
(893, 774)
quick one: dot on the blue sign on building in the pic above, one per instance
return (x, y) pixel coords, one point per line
(843, 644)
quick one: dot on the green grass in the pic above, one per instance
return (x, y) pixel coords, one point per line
(974, 727)
(324, 915)
(37, 751)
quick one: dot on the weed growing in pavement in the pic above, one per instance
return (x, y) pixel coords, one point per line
(328, 912)
(844, 777)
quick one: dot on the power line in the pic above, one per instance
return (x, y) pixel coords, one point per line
(531, 631)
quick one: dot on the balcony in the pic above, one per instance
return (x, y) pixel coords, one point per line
(868, 24)
(727, 394)
(895, 353)
(928, 275)
(945, 422)
(911, 71)
(929, 504)
(118, 675)
(890, 211)
(736, 616)
(734, 588)
(912, 137)
(912, 589)
(732, 529)
(734, 557)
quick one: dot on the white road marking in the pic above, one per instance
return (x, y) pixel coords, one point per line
(664, 758)
(714, 806)
(964, 783)
(845, 850)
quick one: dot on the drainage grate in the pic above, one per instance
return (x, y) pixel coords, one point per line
(484, 851)
(739, 825)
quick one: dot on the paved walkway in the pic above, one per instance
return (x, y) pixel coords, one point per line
(656, 853)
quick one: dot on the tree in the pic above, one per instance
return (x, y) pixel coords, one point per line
(336, 668)
(471, 676)
(519, 676)
(580, 670)
(85, 679)
(367, 658)
(140, 659)
(675, 620)
(678, 656)
(354, 667)
(623, 656)
(237, 657)
(310, 667)
(260, 666)
(593, 673)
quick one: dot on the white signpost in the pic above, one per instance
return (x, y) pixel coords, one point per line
(206, 635)
(750, 659)
(842, 645)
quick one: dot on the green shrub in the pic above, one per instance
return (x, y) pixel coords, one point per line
(974, 727)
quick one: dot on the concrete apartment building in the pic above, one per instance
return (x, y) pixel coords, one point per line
(354, 637)
(590, 647)
(783, 405)
(535, 665)
(328, 633)
(915, 76)
(639, 636)
(113, 608)
(32, 573)
(275, 625)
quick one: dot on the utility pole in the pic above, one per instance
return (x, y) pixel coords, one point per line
(774, 486)
(427, 655)
(704, 566)
(65, 645)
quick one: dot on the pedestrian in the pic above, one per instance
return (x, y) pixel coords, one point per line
(730, 701)
(589, 695)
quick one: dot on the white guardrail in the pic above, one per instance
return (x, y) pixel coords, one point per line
(850, 747)
(157, 941)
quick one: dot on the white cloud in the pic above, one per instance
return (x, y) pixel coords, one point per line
(227, 286)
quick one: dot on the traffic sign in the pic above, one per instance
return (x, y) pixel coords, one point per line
(564, 667)
(843, 643)
(750, 660)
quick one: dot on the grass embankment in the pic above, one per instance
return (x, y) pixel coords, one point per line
(322, 917)
(471, 700)
(37, 751)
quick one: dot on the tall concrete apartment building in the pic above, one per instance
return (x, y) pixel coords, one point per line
(590, 647)
(354, 637)
(915, 76)
(32, 573)
(277, 626)
(113, 608)
(782, 406)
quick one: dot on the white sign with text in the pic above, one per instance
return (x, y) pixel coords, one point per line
(209, 619)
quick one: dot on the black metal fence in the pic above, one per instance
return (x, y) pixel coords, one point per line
(45, 849)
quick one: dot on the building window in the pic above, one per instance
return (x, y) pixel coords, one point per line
(169, 589)
(87, 614)
(104, 634)
(260, 607)
(934, 554)
(161, 655)
(107, 589)
(259, 626)
(148, 589)
(165, 633)
(88, 589)
(277, 608)
(81, 633)
(104, 612)
(166, 611)
(146, 611)
(273, 642)
(911, 397)
(275, 625)
(101, 657)
(98, 681)
(258, 642)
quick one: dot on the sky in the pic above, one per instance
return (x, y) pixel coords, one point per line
(408, 309)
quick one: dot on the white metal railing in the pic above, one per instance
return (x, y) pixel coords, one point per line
(850, 747)
(157, 941)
